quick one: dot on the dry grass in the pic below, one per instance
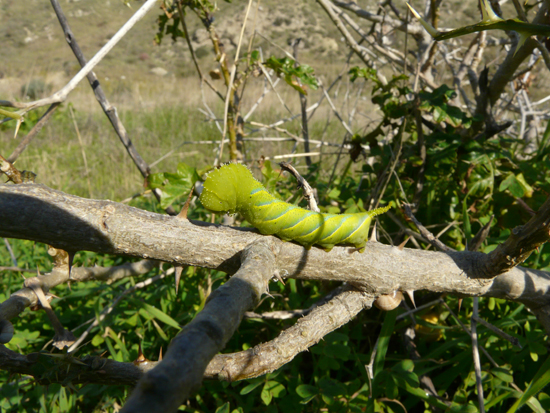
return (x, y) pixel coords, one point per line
(159, 116)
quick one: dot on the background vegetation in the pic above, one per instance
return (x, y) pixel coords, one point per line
(378, 362)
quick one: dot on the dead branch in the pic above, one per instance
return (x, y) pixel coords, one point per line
(507, 69)
(267, 357)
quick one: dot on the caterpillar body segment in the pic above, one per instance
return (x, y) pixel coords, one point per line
(232, 188)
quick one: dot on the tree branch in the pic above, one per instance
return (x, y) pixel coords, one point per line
(254, 362)
(412, 28)
(25, 297)
(507, 69)
(180, 373)
(522, 242)
(35, 212)
(309, 330)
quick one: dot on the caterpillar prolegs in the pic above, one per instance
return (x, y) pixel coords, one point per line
(232, 188)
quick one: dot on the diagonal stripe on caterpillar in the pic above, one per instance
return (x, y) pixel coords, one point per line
(232, 188)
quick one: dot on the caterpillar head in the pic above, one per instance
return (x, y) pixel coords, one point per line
(219, 194)
(226, 189)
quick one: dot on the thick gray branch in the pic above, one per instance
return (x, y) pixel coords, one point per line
(267, 357)
(38, 213)
(170, 383)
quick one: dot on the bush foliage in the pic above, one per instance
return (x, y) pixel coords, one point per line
(420, 150)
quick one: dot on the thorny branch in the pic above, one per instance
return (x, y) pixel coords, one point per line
(170, 383)
(72, 223)
(109, 110)
(264, 358)
(68, 222)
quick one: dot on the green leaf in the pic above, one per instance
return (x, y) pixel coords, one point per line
(331, 388)
(296, 76)
(539, 382)
(247, 389)
(133, 320)
(404, 366)
(165, 318)
(112, 351)
(173, 186)
(402, 373)
(266, 395)
(514, 185)
(339, 351)
(272, 389)
(391, 387)
(120, 344)
(255, 56)
(224, 408)
(97, 340)
(464, 408)
(421, 394)
(496, 400)
(384, 340)
(503, 374)
(528, 189)
(160, 331)
(363, 72)
(307, 391)
(276, 388)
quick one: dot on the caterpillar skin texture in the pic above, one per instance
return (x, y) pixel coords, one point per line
(232, 188)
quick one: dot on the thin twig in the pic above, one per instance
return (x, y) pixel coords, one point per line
(499, 332)
(303, 107)
(109, 110)
(309, 193)
(33, 132)
(62, 94)
(425, 233)
(107, 310)
(63, 337)
(491, 360)
(193, 56)
(16, 269)
(477, 362)
(257, 103)
(12, 255)
(329, 100)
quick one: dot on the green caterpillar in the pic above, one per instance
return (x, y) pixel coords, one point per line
(232, 188)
